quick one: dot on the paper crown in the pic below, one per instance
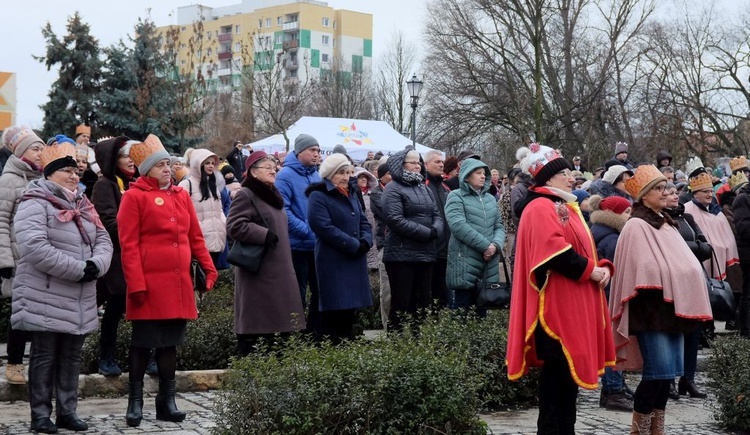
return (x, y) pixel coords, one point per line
(621, 147)
(692, 165)
(738, 163)
(181, 173)
(700, 182)
(57, 151)
(737, 180)
(83, 129)
(142, 150)
(643, 180)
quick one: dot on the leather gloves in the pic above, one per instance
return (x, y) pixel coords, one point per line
(90, 272)
(363, 248)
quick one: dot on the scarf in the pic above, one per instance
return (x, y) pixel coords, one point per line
(33, 167)
(411, 177)
(84, 209)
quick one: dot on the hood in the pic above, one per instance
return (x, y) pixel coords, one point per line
(372, 182)
(292, 163)
(197, 157)
(663, 155)
(396, 165)
(18, 167)
(107, 155)
(609, 219)
(467, 167)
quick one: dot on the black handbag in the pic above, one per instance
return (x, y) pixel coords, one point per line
(199, 276)
(248, 256)
(493, 295)
(720, 295)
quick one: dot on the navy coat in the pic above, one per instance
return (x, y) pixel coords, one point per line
(339, 223)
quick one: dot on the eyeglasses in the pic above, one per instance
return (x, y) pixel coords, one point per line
(69, 171)
(565, 173)
(659, 188)
(706, 191)
(267, 168)
(411, 162)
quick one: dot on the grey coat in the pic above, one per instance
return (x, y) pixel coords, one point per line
(269, 301)
(16, 176)
(46, 293)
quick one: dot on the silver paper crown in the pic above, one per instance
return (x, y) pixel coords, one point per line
(692, 164)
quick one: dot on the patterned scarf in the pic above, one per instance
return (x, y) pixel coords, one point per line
(84, 209)
(412, 177)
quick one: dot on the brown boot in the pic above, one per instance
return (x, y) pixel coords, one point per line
(14, 374)
(641, 424)
(657, 422)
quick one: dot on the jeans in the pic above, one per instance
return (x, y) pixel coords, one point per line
(663, 355)
(613, 381)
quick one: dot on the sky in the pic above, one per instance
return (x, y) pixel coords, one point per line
(111, 21)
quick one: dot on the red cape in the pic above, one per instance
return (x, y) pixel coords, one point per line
(572, 312)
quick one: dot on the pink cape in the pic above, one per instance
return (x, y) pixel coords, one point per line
(719, 234)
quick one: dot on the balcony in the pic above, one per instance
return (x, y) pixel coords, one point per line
(291, 64)
(226, 55)
(225, 37)
(291, 45)
(224, 72)
(291, 26)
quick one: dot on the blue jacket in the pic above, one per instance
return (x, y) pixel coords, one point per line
(339, 224)
(292, 182)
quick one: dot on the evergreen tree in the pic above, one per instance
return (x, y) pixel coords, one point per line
(73, 95)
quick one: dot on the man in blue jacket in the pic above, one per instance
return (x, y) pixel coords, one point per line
(301, 170)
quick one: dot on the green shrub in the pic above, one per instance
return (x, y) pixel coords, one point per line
(209, 341)
(729, 377)
(369, 317)
(382, 387)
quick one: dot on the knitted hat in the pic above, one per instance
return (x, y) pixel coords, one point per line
(615, 171)
(646, 177)
(303, 142)
(621, 147)
(700, 182)
(737, 180)
(227, 169)
(8, 133)
(339, 149)
(83, 129)
(693, 166)
(382, 170)
(468, 154)
(616, 204)
(738, 163)
(332, 164)
(254, 157)
(82, 151)
(23, 140)
(148, 153)
(541, 162)
(580, 195)
(58, 156)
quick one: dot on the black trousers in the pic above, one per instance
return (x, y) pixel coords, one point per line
(55, 364)
(16, 342)
(304, 267)
(557, 390)
(110, 321)
(411, 289)
(651, 395)
(338, 325)
(744, 303)
(439, 286)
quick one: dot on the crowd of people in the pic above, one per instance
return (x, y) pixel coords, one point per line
(609, 265)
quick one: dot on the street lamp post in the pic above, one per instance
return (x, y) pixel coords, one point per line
(415, 87)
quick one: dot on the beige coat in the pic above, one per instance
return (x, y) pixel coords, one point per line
(209, 211)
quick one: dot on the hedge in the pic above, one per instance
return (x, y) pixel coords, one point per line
(729, 378)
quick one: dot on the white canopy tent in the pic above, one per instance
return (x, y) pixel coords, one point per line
(358, 136)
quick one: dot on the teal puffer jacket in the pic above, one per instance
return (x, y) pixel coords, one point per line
(475, 222)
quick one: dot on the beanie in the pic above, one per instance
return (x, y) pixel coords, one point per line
(332, 164)
(382, 170)
(8, 134)
(580, 195)
(23, 140)
(339, 149)
(56, 165)
(614, 172)
(616, 204)
(61, 138)
(303, 142)
(468, 154)
(541, 162)
(227, 169)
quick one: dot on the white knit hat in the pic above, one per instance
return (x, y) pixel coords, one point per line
(332, 164)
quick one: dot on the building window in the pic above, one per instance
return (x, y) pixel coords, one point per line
(334, 24)
(268, 40)
(199, 53)
(325, 22)
(260, 23)
(279, 38)
(237, 47)
(268, 22)
(237, 29)
(182, 62)
(209, 52)
(334, 42)
(182, 46)
(326, 39)
(182, 29)
(278, 21)
(208, 34)
(324, 57)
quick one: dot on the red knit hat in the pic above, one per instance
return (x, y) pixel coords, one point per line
(616, 204)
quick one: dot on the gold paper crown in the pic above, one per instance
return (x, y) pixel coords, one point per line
(738, 163)
(181, 173)
(140, 151)
(645, 177)
(700, 182)
(57, 151)
(737, 180)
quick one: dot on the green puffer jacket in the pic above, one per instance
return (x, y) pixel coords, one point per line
(475, 222)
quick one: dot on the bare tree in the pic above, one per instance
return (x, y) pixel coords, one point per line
(343, 91)
(395, 67)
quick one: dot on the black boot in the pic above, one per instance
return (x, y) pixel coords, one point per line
(673, 394)
(72, 422)
(166, 409)
(687, 386)
(134, 414)
(43, 425)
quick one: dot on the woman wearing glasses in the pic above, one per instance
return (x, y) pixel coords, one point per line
(558, 312)
(268, 302)
(414, 225)
(654, 298)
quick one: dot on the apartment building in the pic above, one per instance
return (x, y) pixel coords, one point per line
(304, 37)
(7, 99)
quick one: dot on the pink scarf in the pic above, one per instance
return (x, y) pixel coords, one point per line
(84, 209)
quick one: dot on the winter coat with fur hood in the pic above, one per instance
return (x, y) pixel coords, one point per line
(47, 294)
(210, 211)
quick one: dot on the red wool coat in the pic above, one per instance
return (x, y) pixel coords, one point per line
(159, 235)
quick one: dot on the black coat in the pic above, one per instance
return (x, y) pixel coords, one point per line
(411, 216)
(376, 194)
(237, 161)
(4, 155)
(691, 232)
(741, 215)
(440, 194)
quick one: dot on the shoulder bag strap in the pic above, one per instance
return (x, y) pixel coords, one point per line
(252, 199)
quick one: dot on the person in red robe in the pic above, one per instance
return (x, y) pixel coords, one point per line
(559, 318)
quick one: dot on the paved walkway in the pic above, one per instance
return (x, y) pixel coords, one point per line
(107, 416)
